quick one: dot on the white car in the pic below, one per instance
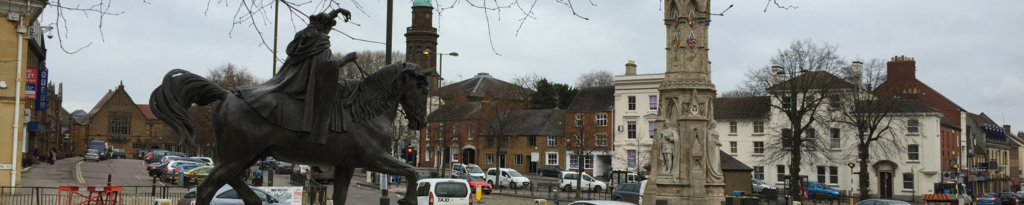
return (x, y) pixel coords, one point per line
(208, 160)
(471, 169)
(443, 192)
(92, 154)
(509, 177)
(567, 180)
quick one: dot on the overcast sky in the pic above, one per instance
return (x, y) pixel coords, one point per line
(971, 52)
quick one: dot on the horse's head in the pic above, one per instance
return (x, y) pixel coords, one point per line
(414, 85)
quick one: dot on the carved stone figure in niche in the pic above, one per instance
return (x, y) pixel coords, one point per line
(714, 169)
(668, 143)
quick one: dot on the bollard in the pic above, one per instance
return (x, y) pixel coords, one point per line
(270, 178)
(181, 176)
(154, 188)
(108, 179)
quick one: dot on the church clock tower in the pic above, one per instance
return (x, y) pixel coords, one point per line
(422, 37)
(685, 165)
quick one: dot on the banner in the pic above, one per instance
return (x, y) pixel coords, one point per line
(290, 194)
(42, 88)
(31, 78)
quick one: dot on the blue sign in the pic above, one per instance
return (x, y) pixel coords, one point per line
(43, 88)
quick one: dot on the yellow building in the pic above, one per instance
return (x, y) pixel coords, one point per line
(21, 41)
(117, 120)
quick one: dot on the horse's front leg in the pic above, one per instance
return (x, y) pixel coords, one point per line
(391, 165)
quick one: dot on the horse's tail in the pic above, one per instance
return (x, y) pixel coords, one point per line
(170, 101)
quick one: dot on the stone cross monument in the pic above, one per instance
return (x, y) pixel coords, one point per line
(685, 168)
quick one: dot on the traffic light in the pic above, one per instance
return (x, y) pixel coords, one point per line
(410, 154)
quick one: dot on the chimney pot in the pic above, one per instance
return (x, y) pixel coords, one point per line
(630, 68)
(1007, 127)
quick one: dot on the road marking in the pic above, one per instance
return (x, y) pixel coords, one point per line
(78, 172)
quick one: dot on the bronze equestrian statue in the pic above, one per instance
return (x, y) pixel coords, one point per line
(255, 122)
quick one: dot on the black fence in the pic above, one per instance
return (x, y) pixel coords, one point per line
(550, 191)
(51, 195)
(313, 193)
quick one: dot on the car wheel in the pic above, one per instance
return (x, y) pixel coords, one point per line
(491, 182)
(567, 188)
(597, 189)
(618, 198)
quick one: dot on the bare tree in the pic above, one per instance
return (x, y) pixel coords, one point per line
(583, 142)
(401, 134)
(799, 79)
(526, 85)
(501, 122)
(595, 78)
(368, 60)
(737, 93)
(873, 120)
(228, 76)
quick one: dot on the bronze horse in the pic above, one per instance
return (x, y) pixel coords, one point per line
(243, 136)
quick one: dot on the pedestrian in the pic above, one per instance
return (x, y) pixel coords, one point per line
(35, 154)
(53, 156)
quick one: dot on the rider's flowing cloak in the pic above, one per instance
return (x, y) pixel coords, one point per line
(302, 95)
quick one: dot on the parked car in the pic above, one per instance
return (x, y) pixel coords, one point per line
(987, 199)
(324, 176)
(881, 202)
(301, 169)
(549, 170)
(599, 202)
(509, 177)
(207, 160)
(1008, 198)
(162, 155)
(117, 154)
(182, 168)
(172, 165)
(467, 169)
(195, 174)
(629, 192)
(283, 167)
(443, 192)
(267, 163)
(567, 180)
(1020, 197)
(227, 195)
(817, 189)
(477, 181)
(759, 186)
(92, 154)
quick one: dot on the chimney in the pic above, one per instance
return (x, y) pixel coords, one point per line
(1007, 127)
(630, 68)
(901, 68)
(778, 73)
(858, 71)
(483, 75)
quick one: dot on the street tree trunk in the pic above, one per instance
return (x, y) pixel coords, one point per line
(863, 177)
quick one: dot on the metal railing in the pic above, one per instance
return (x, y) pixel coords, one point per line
(551, 190)
(313, 193)
(49, 195)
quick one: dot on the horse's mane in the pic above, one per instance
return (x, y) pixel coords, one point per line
(367, 98)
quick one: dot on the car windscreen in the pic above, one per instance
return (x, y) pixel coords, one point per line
(92, 151)
(474, 170)
(451, 189)
(514, 173)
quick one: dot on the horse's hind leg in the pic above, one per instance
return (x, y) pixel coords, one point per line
(224, 172)
(342, 178)
(247, 194)
(390, 165)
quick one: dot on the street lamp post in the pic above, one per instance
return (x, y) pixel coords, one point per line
(440, 61)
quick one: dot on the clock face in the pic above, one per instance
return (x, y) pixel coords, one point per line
(694, 109)
(428, 16)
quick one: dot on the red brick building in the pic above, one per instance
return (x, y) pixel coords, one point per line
(902, 83)
(524, 139)
(590, 130)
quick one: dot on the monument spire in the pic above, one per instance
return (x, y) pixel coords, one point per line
(686, 172)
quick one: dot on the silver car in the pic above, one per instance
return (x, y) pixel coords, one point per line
(759, 186)
(227, 195)
(92, 154)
